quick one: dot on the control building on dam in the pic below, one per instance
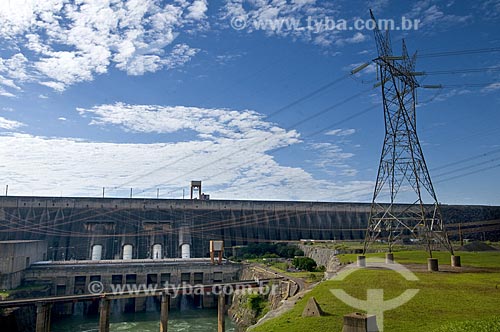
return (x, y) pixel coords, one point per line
(117, 228)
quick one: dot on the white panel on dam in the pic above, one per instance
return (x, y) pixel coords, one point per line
(185, 251)
(96, 252)
(127, 251)
(157, 254)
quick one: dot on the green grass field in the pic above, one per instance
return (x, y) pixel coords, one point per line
(446, 302)
(489, 259)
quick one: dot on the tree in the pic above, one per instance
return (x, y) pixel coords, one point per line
(304, 263)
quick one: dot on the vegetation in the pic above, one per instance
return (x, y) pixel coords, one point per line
(269, 250)
(446, 302)
(304, 263)
(490, 325)
(258, 304)
(4, 294)
(282, 266)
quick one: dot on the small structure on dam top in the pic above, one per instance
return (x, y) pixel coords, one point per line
(216, 247)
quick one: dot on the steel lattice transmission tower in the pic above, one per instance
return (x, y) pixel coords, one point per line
(402, 173)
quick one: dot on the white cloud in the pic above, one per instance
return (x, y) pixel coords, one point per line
(62, 118)
(440, 96)
(58, 86)
(71, 42)
(179, 55)
(432, 16)
(5, 93)
(227, 58)
(42, 96)
(341, 132)
(377, 5)
(197, 10)
(491, 87)
(317, 22)
(10, 124)
(489, 9)
(333, 159)
(299, 19)
(215, 124)
(358, 37)
(12, 70)
(232, 150)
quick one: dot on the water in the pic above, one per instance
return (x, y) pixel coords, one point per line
(190, 320)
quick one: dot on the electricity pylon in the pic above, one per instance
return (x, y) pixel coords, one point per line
(402, 173)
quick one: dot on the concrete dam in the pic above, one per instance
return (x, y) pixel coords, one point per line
(118, 228)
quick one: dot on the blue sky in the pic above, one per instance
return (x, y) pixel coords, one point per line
(153, 94)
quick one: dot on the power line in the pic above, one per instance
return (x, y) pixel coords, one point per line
(467, 167)
(459, 52)
(462, 71)
(281, 109)
(469, 85)
(466, 160)
(315, 115)
(470, 173)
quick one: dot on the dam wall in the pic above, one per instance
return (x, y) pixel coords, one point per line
(117, 228)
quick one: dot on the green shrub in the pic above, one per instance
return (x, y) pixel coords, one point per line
(256, 250)
(257, 303)
(304, 263)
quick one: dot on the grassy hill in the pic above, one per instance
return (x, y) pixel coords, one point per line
(452, 301)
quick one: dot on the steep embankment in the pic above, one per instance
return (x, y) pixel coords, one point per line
(322, 256)
(249, 306)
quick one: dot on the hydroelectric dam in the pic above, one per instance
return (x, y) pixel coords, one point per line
(66, 243)
(119, 228)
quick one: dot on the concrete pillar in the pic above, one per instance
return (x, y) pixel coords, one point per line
(104, 312)
(357, 322)
(389, 258)
(455, 261)
(221, 323)
(140, 302)
(43, 311)
(165, 304)
(432, 264)
(361, 261)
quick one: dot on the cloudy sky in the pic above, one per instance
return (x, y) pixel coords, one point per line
(253, 97)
